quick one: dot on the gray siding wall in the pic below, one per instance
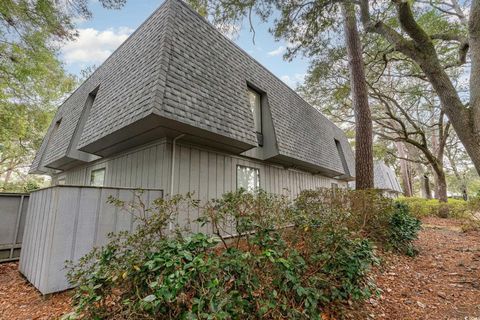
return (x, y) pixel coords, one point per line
(65, 223)
(145, 167)
(207, 173)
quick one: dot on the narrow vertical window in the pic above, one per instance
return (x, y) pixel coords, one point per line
(248, 178)
(97, 177)
(255, 101)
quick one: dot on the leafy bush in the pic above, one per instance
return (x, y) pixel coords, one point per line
(365, 212)
(421, 207)
(278, 265)
(403, 229)
(472, 221)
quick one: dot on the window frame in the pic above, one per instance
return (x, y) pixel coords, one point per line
(61, 180)
(92, 171)
(239, 166)
(258, 122)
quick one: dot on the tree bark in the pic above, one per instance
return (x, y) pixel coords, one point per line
(404, 169)
(458, 176)
(474, 46)
(426, 185)
(363, 118)
(440, 185)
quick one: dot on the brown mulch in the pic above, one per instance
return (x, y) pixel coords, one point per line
(441, 282)
(20, 300)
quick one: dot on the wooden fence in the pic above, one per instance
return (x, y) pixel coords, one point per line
(13, 211)
(66, 222)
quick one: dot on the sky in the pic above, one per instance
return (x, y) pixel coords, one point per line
(107, 29)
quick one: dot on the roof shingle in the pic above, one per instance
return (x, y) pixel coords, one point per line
(178, 66)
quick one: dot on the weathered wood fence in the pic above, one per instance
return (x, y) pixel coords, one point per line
(13, 211)
(66, 222)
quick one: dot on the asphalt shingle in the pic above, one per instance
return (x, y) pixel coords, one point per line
(180, 67)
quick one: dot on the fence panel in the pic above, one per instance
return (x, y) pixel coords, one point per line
(13, 211)
(64, 223)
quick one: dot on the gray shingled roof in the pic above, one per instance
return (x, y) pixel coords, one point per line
(384, 178)
(179, 67)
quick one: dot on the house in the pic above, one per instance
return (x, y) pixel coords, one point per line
(176, 108)
(385, 180)
(178, 82)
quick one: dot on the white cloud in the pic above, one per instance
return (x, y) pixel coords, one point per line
(280, 50)
(94, 46)
(294, 80)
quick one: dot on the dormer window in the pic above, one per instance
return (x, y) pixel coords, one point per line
(255, 101)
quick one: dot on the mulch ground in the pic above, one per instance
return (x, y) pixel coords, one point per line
(441, 282)
(20, 300)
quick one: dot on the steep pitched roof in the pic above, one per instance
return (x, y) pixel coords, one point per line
(385, 178)
(177, 67)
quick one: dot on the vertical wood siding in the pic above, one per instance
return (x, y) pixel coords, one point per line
(210, 174)
(147, 168)
(64, 223)
(207, 173)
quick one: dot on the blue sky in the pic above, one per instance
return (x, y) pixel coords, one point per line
(99, 36)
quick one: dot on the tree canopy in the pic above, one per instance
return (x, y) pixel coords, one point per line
(33, 80)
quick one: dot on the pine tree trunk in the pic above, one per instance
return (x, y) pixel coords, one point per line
(363, 119)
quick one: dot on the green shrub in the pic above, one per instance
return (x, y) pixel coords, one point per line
(277, 266)
(403, 229)
(421, 207)
(365, 212)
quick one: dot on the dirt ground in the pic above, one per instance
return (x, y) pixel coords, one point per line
(441, 282)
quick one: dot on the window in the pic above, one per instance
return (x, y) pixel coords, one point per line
(97, 177)
(255, 100)
(248, 178)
